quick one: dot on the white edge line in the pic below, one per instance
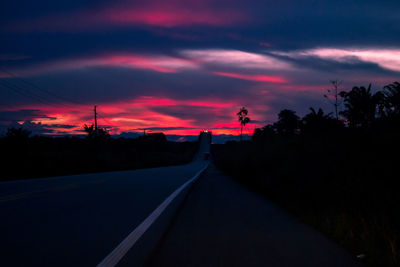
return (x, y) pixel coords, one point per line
(119, 252)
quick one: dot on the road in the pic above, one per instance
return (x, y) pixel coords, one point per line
(78, 220)
(222, 223)
(82, 220)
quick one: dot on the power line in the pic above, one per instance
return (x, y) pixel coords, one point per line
(40, 98)
(104, 119)
(26, 82)
(95, 119)
(18, 91)
(25, 93)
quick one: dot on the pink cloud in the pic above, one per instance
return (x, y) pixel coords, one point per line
(386, 58)
(236, 59)
(172, 16)
(164, 64)
(213, 60)
(207, 59)
(166, 14)
(252, 77)
(139, 113)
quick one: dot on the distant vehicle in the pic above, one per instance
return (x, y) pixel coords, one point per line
(206, 156)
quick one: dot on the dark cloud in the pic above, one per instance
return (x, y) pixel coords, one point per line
(58, 126)
(283, 24)
(265, 27)
(101, 85)
(352, 64)
(39, 128)
(34, 128)
(22, 115)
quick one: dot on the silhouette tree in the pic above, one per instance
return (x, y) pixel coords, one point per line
(92, 133)
(257, 134)
(89, 129)
(288, 122)
(264, 133)
(317, 121)
(243, 119)
(361, 106)
(18, 133)
(335, 94)
(392, 99)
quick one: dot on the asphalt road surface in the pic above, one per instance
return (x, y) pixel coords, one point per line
(222, 223)
(78, 220)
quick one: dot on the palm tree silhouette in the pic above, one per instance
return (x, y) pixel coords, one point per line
(287, 123)
(317, 121)
(316, 118)
(243, 119)
(361, 106)
(392, 98)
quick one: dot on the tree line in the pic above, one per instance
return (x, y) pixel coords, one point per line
(336, 173)
(363, 110)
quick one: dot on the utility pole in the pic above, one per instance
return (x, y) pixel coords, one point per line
(95, 119)
(335, 94)
(336, 85)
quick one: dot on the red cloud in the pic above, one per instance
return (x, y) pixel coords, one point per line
(165, 64)
(139, 114)
(252, 77)
(165, 14)
(173, 17)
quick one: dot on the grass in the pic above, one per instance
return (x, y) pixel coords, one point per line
(344, 186)
(45, 157)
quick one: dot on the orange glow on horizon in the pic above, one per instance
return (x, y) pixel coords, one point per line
(138, 114)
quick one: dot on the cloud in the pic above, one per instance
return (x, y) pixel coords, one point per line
(179, 64)
(174, 116)
(199, 116)
(236, 59)
(385, 58)
(8, 116)
(59, 126)
(34, 128)
(153, 13)
(158, 63)
(252, 77)
(175, 15)
(188, 60)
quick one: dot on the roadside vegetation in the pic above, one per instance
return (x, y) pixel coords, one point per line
(337, 174)
(30, 157)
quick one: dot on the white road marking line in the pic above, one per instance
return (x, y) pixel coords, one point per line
(119, 252)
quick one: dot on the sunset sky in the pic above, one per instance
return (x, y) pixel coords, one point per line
(182, 66)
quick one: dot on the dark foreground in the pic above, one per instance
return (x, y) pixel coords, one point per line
(78, 220)
(222, 223)
(345, 184)
(38, 157)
